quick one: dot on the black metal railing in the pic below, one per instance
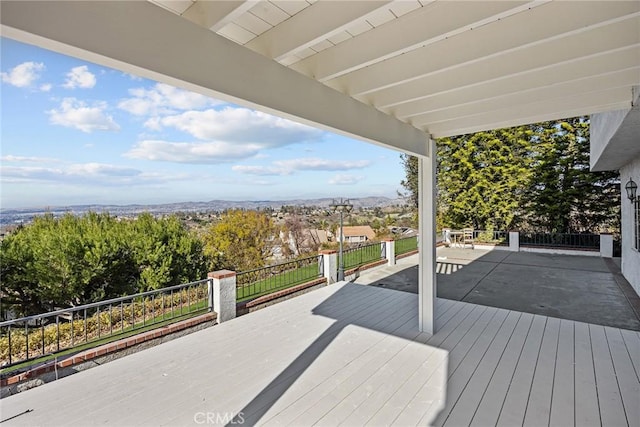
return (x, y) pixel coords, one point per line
(561, 240)
(261, 281)
(89, 325)
(406, 244)
(355, 257)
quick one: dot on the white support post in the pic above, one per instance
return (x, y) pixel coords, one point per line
(330, 265)
(390, 251)
(514, 241)
(224, 294)
(427, 239)
(606, 245)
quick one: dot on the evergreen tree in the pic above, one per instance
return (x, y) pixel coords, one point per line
(536, 177)
(410, 183)
(564, 195)
(481, 177)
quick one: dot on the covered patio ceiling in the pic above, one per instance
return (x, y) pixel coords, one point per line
(389, 72)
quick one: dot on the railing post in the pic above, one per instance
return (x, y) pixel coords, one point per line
(514, 241)
(224, 294)
(606, 245)
(210, 290)
(390, 251)
(330, 264)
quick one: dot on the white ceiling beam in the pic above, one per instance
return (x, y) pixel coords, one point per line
(310, 26)
(596, 41)
(216, 14)
(606, 63)
(619, 79)
(143, 39)
(428, 24)
(514, 32)
(515, 115)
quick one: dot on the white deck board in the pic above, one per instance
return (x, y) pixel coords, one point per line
(539, 405)
(517, 397)
(587, 409)
(470, 398)
(611, 406)
(352, 355)
(632, 341)
(627, 380)
(493, 397)
(562, 400)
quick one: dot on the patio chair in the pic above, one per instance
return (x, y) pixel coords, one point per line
(467, 238)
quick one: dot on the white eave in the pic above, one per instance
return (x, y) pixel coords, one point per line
(615, 136)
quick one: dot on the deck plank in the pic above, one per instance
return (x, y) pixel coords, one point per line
(515, 403)
(625, 374)
(539, 405)
(459, 377)
(632, 341)
(392, 408)
(493, 397)
(611, 405)
(563, 398)
(434, 390)
(473, 392)
(587, 407)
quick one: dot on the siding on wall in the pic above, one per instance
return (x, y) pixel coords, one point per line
(630, 256)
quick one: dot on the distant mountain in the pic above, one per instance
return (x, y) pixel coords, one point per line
(15, 216)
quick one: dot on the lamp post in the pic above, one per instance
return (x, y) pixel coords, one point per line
(631, 188)
(342, 206)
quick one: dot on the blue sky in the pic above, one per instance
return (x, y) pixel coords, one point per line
(74, 132)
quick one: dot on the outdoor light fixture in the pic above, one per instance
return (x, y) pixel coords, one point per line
(342, 206)
(631, 188)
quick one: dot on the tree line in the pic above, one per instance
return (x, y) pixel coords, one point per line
(533, 177)
(55, 263)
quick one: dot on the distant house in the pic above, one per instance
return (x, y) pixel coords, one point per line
(311, 240)
(357, 234)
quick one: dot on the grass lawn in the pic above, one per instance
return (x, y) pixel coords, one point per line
(277, 282)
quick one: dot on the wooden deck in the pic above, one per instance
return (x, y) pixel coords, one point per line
(352, 355)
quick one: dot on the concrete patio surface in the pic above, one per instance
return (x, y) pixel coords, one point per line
(581, 288)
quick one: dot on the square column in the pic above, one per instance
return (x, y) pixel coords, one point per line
(427, 240)
(224, 294)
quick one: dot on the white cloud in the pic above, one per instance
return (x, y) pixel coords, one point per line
(238, 125)
(77, 114)
(163, 99)
(45, 87)
(23, 75)
(345, 179)
(80, 173)
(187, 152)
(289, 166)
(26, 159)
(80, 77)
(228, 135)
(259, 170)
(314, 163)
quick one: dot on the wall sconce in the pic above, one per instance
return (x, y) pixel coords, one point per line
(631, 188)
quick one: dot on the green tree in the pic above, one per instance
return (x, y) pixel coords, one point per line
(410, 183)
(241, 240)
(564, 195)
(481, 177)
(165, 252)
(77, 260)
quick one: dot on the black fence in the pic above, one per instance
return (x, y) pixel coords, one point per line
(561, 240)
